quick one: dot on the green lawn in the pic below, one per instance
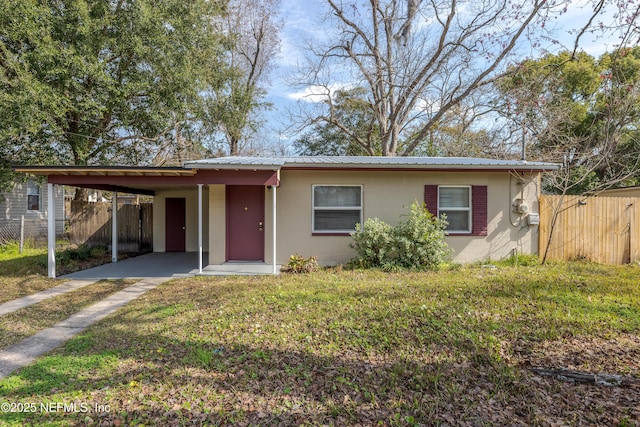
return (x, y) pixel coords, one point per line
(453, 347)
(25, 273)
(29, 320)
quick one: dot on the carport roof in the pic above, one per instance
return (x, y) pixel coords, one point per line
(106, 170)
(147, 180)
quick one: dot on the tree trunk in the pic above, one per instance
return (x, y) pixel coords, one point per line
(81, 194)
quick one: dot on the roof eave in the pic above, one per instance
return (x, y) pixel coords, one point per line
(425, 167)
(105, 170)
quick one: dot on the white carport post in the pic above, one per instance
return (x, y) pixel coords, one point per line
(274, 221)
(199, 228)
(51, 231)
(114, 227)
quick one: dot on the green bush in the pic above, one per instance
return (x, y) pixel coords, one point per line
(415, 243)
(81, 253)
(374, 243)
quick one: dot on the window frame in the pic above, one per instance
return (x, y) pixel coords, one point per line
(30, 192)
(342, 232)
(468, 209)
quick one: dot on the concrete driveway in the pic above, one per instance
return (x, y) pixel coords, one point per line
(170, 265)
(156, 264)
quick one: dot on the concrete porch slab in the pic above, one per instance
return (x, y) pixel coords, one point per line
(240, 269)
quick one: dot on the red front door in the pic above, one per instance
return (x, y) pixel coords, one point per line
(175, 224)
(245, 223)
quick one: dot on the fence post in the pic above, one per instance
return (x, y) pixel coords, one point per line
(21, 233)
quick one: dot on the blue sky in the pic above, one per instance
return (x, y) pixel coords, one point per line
(302, 21)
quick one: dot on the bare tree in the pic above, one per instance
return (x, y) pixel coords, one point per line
(418, 60)
(254, 28)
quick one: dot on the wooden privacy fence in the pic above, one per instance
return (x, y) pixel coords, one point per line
(90, 224)
(600, 229)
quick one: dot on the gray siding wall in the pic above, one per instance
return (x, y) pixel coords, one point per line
(14, 205)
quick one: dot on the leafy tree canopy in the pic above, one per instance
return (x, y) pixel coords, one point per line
(580, 111)
(85, 82)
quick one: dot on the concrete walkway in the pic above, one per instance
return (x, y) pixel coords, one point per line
(25, 352)
(17, 304)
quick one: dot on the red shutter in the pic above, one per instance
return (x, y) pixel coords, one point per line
(479, 210)
(431, 198)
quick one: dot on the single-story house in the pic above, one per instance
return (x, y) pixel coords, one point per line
(265, 209)
(27, 203)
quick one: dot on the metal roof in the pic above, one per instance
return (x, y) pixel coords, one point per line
(105, 170)
(237, 162)
(367, 162)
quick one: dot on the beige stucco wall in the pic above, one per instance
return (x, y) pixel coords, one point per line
(386, 195)
(191, 202)
(217, 222)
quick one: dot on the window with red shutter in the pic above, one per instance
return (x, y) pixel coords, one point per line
(464, 206)
(479, 210)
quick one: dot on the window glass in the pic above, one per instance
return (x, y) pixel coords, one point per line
(454, 197)
(457, 220)
(33, 196)
(336, 208)
(337, 220)
(334, 196)
(455, 203)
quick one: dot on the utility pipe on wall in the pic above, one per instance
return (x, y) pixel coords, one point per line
(274, 221)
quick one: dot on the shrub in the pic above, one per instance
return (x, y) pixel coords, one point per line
(373, 243)
(300, 264)
(415, 243)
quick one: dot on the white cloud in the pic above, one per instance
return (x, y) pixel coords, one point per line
(316, 93)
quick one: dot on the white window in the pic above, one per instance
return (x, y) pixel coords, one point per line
(336, 208)
(455, 203)
(33, 196)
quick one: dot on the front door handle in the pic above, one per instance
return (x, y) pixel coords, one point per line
(260, 225)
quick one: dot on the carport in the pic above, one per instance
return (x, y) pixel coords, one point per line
(166, 180)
